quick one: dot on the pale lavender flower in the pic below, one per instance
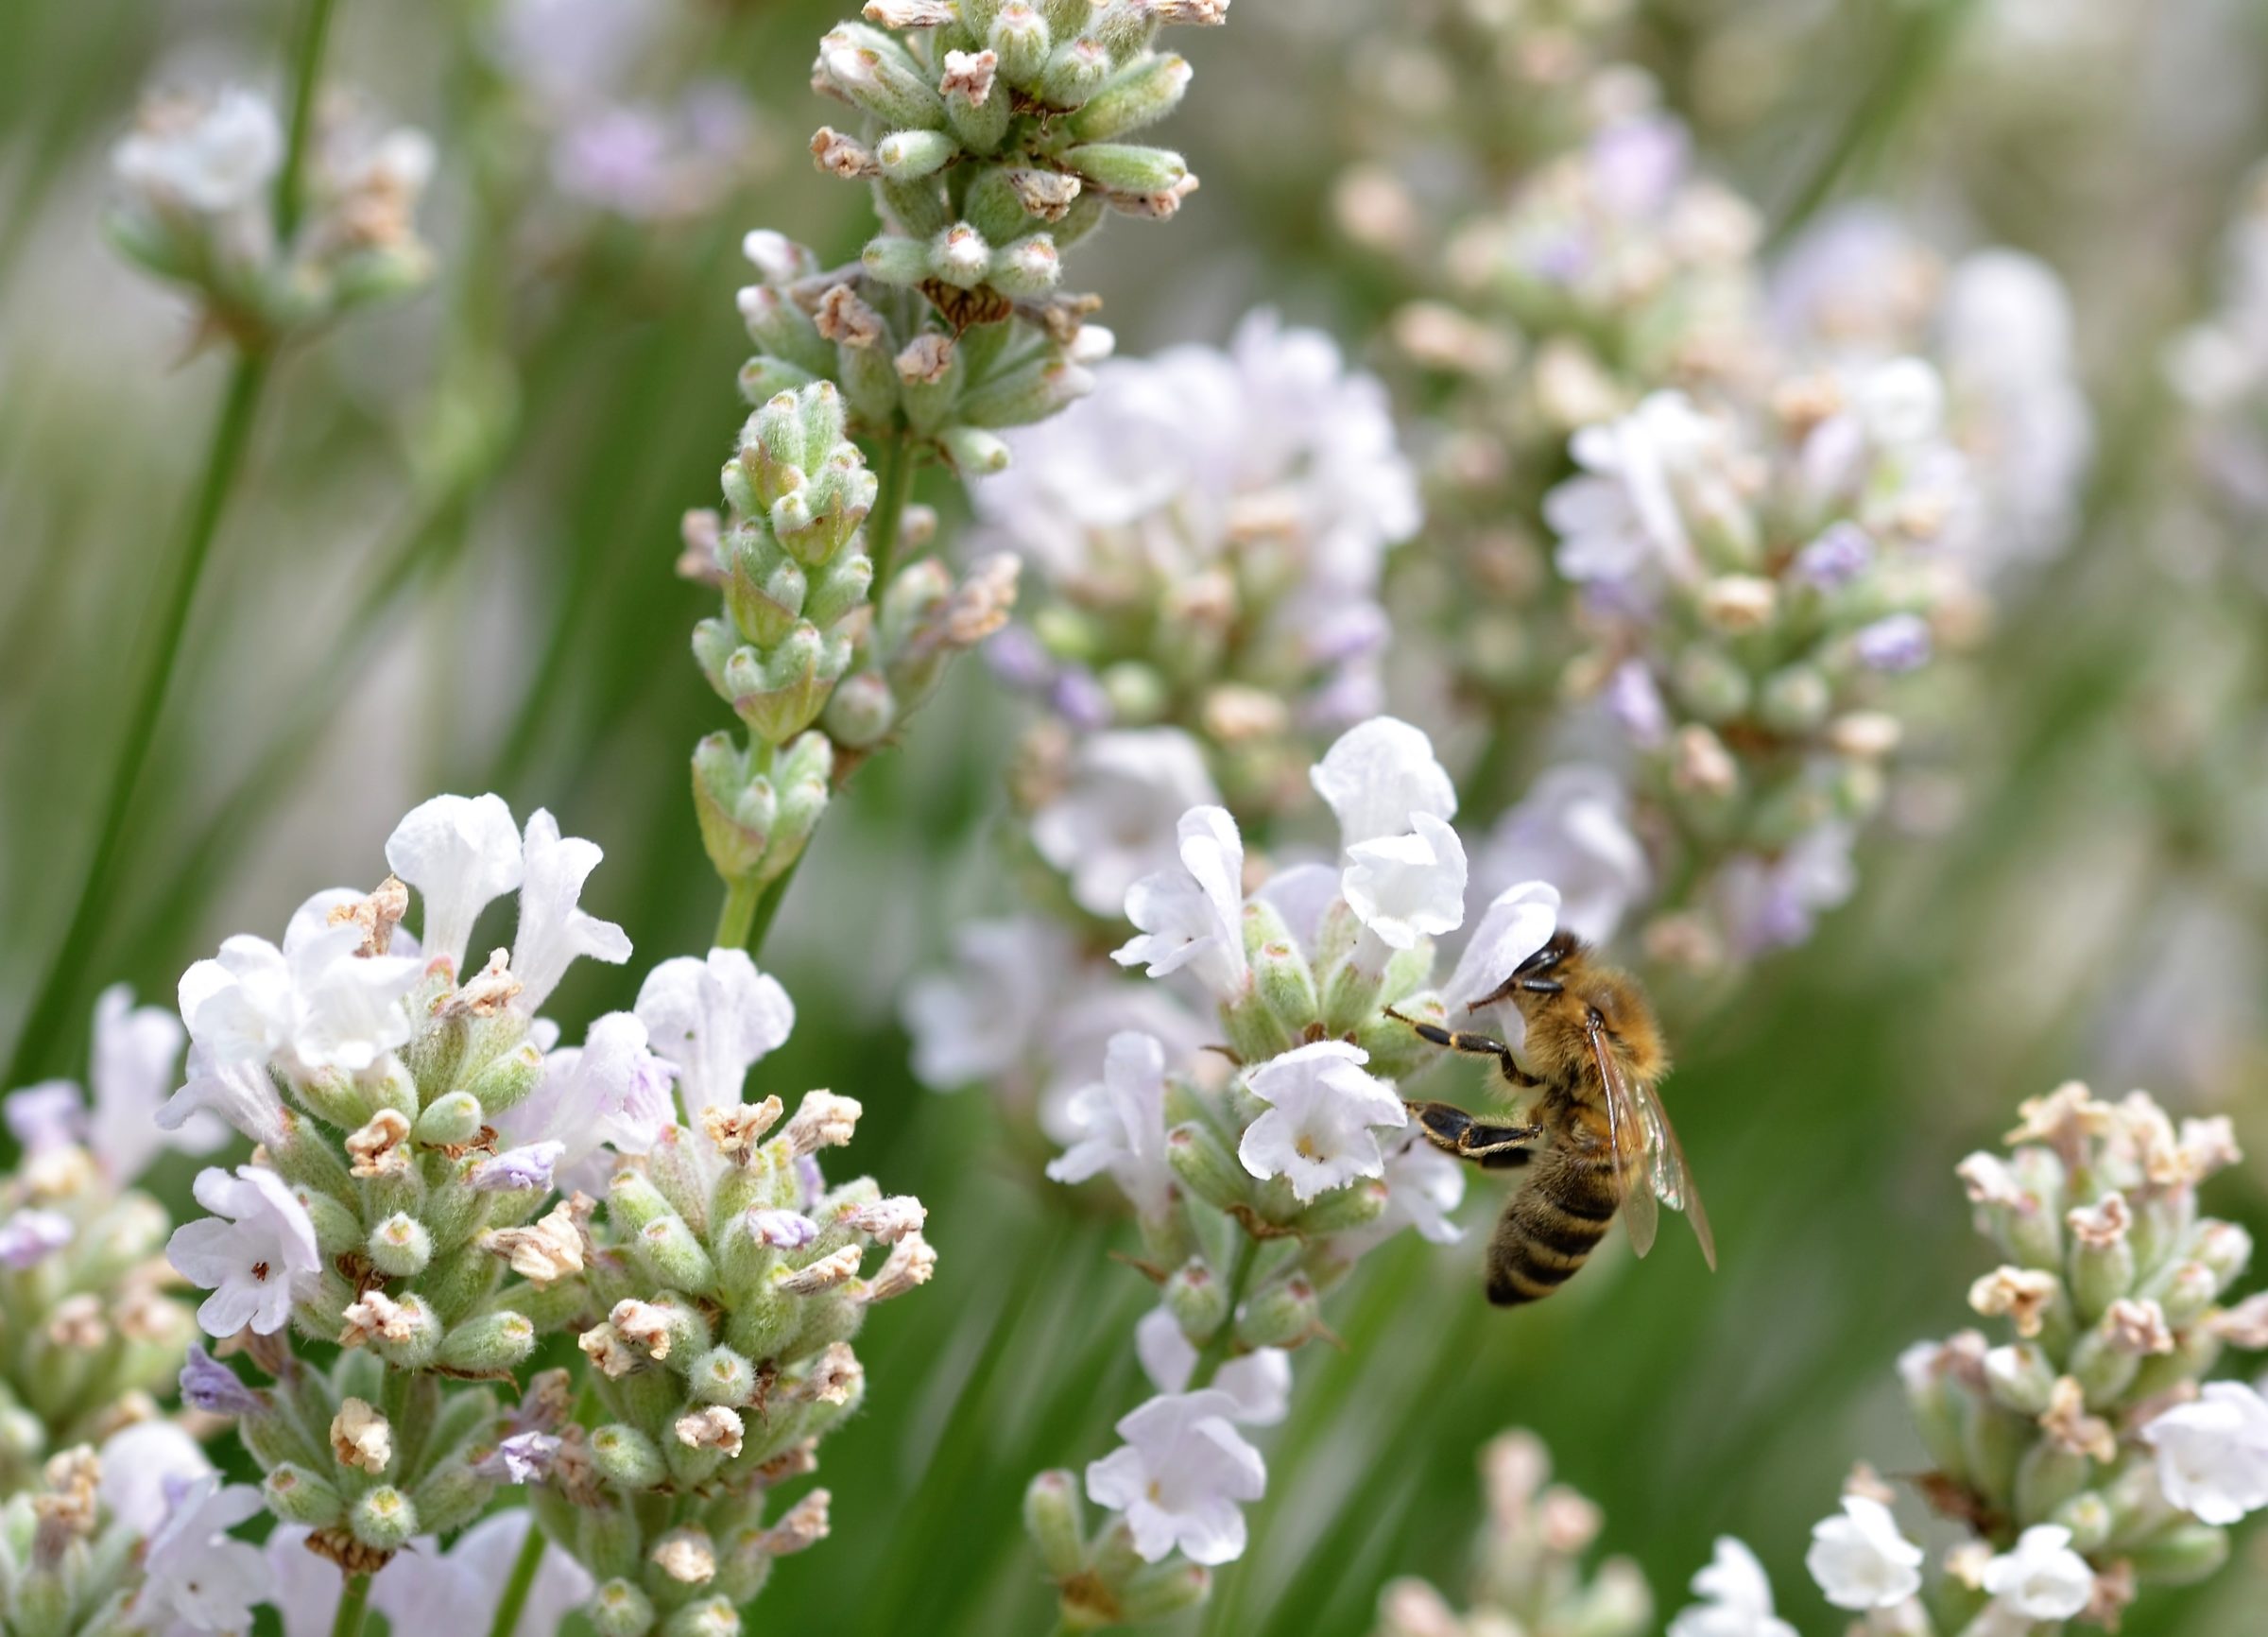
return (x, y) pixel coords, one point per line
(1736, 1599)
(1121, 1120)
(610, 1092)
(529, 1166)
(1772, 904)
(147, 1466)
(714, 1019)
(1180, 1477)
(1377, 777)
(1635, 703)
(1860, 1561)
(255, 1252)
(50, 1114)
(1405, 888)
(1898, 642)
(1572, 830)
(315, 1004)
(459, 852)
(519, 1458)
(1114, 821)
(214, 158)
(1623, 518)
(1193, 916)
(1260, 1381)
(193, 1573)
(2212, 1454)
(986, 1010)
(1324, 1112)
(554, 927)
(1843, 552)
(1517, 923)
(212, 1386)
(29, 1237)
(782, 1229)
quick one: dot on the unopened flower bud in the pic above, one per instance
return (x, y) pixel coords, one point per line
(1142, 95)
(675, 1256)
(1165, 1591)
(627, 1458)
(909, 155)
(1711, 683)
(1203, 1164)
(398, 1247)
(450, 1120)
(2020, 1378)
(2182, 1556)
(1284, 1315)
(1052, 1518)
(1128, 167)
(722, 1376)
(1358, 1204)
(1794, 700)
(382, 1519)
(1739, 603)
(299, 1495)
(489, 1343)
(1286, 987)
(619, 1608)
(1019, 40)
(863, 710)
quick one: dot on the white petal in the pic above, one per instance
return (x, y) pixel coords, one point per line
(554, 929)
(460, 852)
(1377, 776)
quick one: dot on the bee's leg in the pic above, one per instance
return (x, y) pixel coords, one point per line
(1453, 1130)
(1472, 1045)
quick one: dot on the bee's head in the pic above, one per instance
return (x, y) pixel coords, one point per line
(1538, 979)
(1558, 948)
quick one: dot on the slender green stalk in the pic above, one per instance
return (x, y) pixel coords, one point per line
(232, 434)
(894, 477)
(352, 1601)
(1215, 1352)
(767, 909)
(736, 926)
(523, 1581)
(224, 461)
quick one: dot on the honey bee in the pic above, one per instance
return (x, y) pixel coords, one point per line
(1596, 1141)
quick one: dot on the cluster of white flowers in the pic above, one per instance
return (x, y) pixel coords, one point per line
(1209, 530)
(1256, 1193)
(2084, 1455)
(199, 178)
(420, 1133)
(1528, 1575)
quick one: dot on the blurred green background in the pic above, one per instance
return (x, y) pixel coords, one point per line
(449, 567)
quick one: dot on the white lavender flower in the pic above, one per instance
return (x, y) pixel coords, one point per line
(1192, 916)
(257, 1262)
(1324, 1113)
(714, 1019)
(1859, 1559)
(1260, 1381)
(194, 1573)
(1736, 1599)
(2212, 1454)
(1121, 1119)
(1114, 820)
(1180, 1477)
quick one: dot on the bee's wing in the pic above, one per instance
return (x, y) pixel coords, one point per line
(1624, 1115)
(1673, 1178)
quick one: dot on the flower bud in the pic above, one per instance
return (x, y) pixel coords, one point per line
(909, 155)
(1157, 1594)
(1710, 684)
(448, 1121)
(976, 101)
(626, 1457)
(862, 710)
(398, 1247)
(1203, 1164)
(673, 1255)
(300, 1496)
(1142, 95)
(2048, 1476)
(1350, 995)
(1074, 72)
(894, 259)
(1019, 39)
(2019, 1377)
(1794, 700)
(1284, 1315)
(1360, 1204)
(710, 1617)
(488, 1343)
(2089, 1517)
(337, 1229)
(1253, 1029)
(1127, 167)
(722, 1375)
(877, 74)
(1197, 1299)
(619, 1608)
(382, 1519)
(1285, 987)
(633, 1201)
(1028, 269)
(2182, 1556)
(1052, 1518)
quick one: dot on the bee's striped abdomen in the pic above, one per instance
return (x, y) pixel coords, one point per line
(1550, 1226)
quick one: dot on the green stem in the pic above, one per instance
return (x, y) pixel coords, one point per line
(224, 460)
(1215, 1352)
(767, 909)
(351, 1602)
(894, 477)
(523, 1581)
(743, 898)
(232, 434)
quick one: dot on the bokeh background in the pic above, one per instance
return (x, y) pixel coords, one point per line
(449, 568)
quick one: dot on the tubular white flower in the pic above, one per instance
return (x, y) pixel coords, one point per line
(2042, 1579)
(459, 852)
(1319, 1131)
(714, 1019)
(2212, 1454)
(143, 1464)
(1115, 822)
(554, 928)
(1179, 1476)
(1622, 520)
(1377, 777)
(1404, 888)
(1423, 1186)
(216, 158)
(1572, 831)
(132, 1074)
(315, 1004)
(1260, 1381)
(1860, 1561)
(255, 1261)
(239, 1092)
(1737, 1599)
(192, 1572)
(1121, 1120)
(610, 1091)
(1515, 925)
(1193, 916)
